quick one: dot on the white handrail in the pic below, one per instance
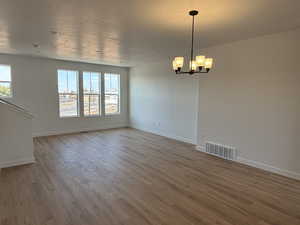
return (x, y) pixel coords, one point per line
(16, 107)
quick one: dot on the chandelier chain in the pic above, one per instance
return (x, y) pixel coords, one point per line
(192, 49)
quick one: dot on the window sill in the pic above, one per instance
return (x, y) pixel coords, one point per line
(96, 116)
(112, 114)
(68, 117)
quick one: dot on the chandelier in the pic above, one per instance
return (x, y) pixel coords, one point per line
(200, 64)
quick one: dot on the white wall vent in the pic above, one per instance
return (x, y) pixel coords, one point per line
(222, 151)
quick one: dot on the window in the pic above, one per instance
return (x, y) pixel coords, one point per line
(88, 93)
(112, 93)
(5, 81)
(91, 93)
(68, 93)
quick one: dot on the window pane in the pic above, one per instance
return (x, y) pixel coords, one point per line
(86, 82)
(68, 105)
(5, 90)
(107, 82)
(62, 81)
(86, 105)
(5, 74)
(112, 93)
(68, 93)
(91, 105)
(5, 81)
(91, 98)
(95, 83)
(94, 104)
(72, 82)
(111, 104)
(114, 84)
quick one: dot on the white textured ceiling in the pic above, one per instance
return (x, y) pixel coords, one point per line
(126, 32)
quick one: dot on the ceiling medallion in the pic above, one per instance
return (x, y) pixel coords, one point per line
(198, 65)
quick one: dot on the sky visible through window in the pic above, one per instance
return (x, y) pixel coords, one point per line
(111, 83)
(5, 81)
(91, 82)
(5, 73)
(67, 81)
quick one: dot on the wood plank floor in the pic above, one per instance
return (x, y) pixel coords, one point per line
(129, 177)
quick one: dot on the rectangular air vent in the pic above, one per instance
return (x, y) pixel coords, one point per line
(222, 151)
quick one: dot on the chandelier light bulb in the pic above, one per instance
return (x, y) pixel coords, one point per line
(200, 60)
(179, 61)
(208, 63)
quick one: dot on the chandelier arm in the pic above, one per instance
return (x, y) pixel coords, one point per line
(189, 72)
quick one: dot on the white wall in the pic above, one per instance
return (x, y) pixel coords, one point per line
(16, 145)
(163, 102)
(35, 88)
(251, 100)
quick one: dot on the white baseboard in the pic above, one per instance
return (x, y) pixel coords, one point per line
(70, 131)
(261, 165)
(269, 168)
(18, 162)
(160, 133)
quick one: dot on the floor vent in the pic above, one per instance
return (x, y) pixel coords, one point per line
(222, 151)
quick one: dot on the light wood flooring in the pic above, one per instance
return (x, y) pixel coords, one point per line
(129, 177)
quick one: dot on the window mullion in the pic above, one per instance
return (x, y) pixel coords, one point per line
(90, 91)
(119, 95)
(102, 90)
(89, 104)
(81, 98)
(99, 94)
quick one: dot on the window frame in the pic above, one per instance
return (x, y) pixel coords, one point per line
(99, 95)
(119, 95)
(78, 94)
(10, 82)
